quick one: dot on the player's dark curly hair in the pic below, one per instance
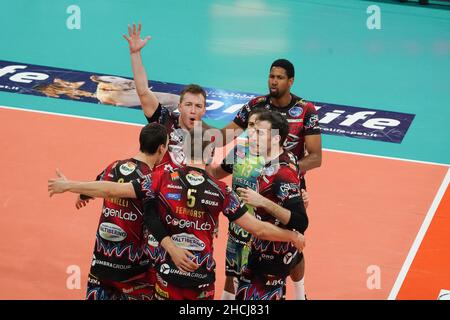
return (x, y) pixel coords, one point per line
(286, 65)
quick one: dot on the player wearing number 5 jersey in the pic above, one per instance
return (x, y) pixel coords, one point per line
(181, 211)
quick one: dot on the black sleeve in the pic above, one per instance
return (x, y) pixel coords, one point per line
(311, 121)
(144, 187)
(241, 118)
(299, 219)
(156, 115)
(152, 220)
(233, 208)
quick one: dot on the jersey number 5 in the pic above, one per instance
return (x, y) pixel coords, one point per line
(191, 198)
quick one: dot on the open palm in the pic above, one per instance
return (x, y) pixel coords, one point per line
(134, 38)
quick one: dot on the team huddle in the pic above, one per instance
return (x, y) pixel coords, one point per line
(160, 214)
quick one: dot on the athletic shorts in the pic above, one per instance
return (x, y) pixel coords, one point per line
(138, 288)
(236, 257)
(253, 286)
(167, 291)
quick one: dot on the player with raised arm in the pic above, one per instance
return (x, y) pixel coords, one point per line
(192, 105)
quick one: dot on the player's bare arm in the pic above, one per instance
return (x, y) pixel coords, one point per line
(313, 145)
(256, 200)
(268, 231)
(96, 189)
(148, 99)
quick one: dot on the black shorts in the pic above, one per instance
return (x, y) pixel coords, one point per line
(138, 288)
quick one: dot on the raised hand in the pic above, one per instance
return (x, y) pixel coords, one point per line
(134, 38)
(57, 185)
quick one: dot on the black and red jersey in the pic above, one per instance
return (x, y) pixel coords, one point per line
(120, 251)
(279, 182)
(189, 203)
(174, 157)
(301, 115)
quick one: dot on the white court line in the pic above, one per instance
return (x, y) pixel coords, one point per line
(389, 158)
(73, 116)
(140, 125)
(420, 235)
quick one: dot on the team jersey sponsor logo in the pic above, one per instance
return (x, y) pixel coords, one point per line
(173, 196)
(267, 256)
(152, 242)
(166, 269)
(144, 262)
(195, 178)
(177, 155)
(128, 216)
(173, 186)
(210, 203)
(274, 282)
(289, 187)
(188, 242)
(161, 292)
(111, 265)
(189, 212)
(208, 192)
(295, 111)
(127, 168)
(183, 223)
(111, 232)
(94, 281)
(287, 259)
(289, 191)
(312, 122)
(177, 135)
(168, 167)
(119, 201)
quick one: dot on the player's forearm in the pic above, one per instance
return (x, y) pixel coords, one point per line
(282, 214)
(311, 161)
(96, 189)
(271, 232)
(140, 76)
(168, 244)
